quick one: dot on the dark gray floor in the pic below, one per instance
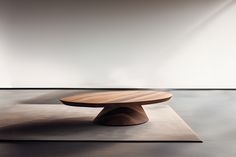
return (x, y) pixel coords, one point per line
(210, 113)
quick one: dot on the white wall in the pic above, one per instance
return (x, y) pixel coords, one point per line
(5, 80)
(161, 44)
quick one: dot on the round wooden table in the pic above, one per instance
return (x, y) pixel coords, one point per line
(121, 108)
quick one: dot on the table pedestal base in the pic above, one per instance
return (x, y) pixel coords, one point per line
(121, 115)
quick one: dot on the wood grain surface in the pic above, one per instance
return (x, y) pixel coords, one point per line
(121, 98)
(121, 116)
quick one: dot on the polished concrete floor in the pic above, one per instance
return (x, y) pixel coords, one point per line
(210, 113)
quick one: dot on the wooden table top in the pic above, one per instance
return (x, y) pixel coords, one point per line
(125, 97)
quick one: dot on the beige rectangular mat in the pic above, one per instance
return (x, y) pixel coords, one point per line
(56, 122)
